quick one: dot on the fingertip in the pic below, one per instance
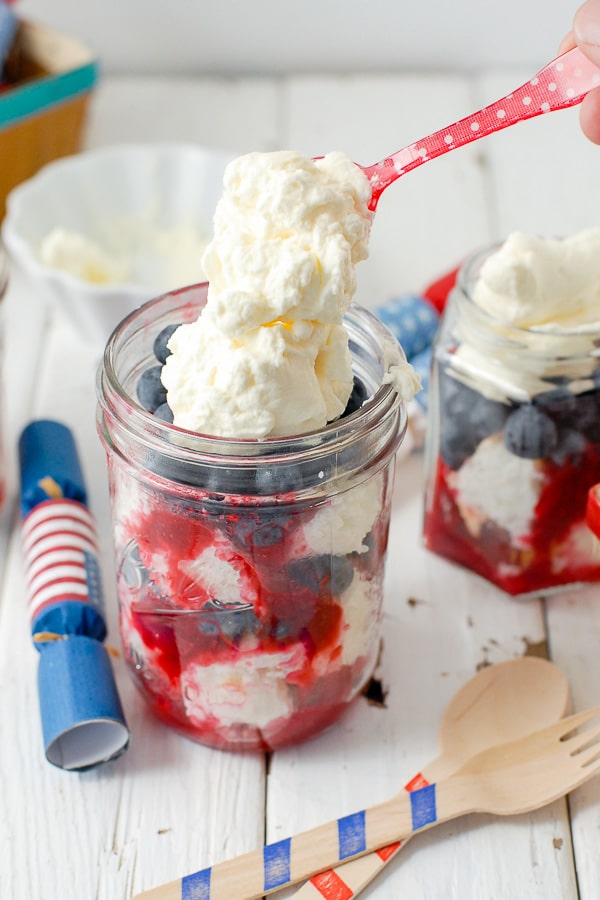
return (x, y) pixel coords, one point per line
(586, 28)
(590, 116)
(567, 43)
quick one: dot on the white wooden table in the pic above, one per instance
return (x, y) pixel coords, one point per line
(168, 806)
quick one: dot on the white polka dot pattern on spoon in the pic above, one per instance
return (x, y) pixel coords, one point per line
(562, 83)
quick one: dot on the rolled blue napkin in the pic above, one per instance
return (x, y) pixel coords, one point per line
(421, 363)
(83, 723)
(414, 323)
(412, 320)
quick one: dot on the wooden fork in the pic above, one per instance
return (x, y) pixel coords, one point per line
(508, 779)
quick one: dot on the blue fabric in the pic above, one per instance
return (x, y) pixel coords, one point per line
(47, 449)
(412, 320)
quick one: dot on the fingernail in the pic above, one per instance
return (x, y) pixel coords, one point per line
(586, 24)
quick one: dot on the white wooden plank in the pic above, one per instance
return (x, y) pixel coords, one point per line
(163, 809)
(546, 173)
(574, 635)
(19, 355)
(222, 114)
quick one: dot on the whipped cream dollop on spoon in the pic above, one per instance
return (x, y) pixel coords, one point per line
(269, 355)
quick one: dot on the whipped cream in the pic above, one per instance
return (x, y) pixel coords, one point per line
(509, 501)
(533, 281)
(269, 354)
(250, 691)
(341, 525)
(135, 252)
(81, 257)
(542, 296)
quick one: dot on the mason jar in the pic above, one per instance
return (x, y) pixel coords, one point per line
(249, 572)
(513, 446)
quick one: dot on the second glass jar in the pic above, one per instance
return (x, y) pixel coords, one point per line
(513, 446)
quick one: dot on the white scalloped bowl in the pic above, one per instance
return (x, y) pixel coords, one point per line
(149, 206)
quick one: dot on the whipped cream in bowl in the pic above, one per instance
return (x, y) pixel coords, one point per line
(100, 232)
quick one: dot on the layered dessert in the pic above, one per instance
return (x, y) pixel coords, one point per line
(251, 508)
(250, 626)
(514, 442)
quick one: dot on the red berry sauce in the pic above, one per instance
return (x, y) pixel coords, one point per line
(238, 632)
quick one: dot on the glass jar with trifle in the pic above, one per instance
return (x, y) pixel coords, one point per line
(514, 428)
(250, 572)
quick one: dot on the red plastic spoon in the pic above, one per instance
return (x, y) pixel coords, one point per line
(562, 83)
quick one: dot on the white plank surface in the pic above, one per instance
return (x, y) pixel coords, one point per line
(170, 806)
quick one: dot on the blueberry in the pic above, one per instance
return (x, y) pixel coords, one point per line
(530, 433)
(466, 418)
(180, 471)
(161, 351)
(209, 625)
(150, 389)
(341, 573)
(455, 397)
(281, 630)
(456, 443)
(215, 480)
(267, 535)
(334, 573)
(230, 620)
(587, 415)
(462, 430)
(357, 397)
(486, 417)
(257, 528)
(164, 412)
(571, 447)
(559, 403)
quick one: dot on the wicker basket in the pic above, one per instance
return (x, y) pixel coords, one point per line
(43, 109)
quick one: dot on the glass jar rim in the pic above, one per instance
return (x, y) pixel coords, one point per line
(384, 413)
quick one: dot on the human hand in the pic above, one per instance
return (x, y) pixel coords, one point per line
(586, 34)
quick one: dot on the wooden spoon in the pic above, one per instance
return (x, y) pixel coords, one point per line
(500, 703)
(511, 778)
